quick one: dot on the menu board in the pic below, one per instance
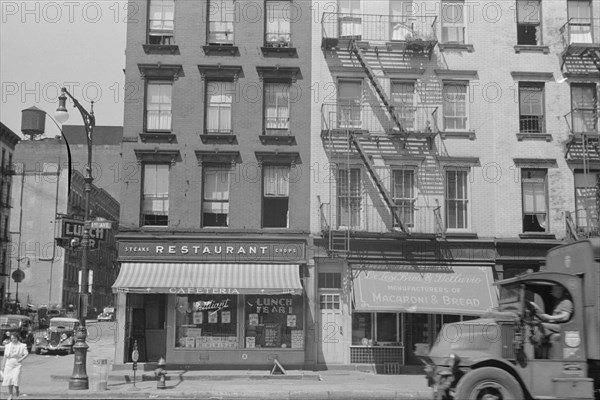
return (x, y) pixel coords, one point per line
(198, 318)
(212, 317)
(297, 338)
(225, 317)
(291, 320)
(272, 335)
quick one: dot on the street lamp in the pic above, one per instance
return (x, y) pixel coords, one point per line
(19, 275)
(79, 379)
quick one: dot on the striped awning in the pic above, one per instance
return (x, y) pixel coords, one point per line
(190, 278)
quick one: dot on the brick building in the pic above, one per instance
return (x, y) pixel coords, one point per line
(215, 208)
(457, 143)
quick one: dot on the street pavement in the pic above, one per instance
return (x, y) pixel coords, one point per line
(47, 376)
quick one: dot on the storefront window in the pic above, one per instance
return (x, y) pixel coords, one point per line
(206, 321)
(387, 327)
(362, 329)
(274, 321)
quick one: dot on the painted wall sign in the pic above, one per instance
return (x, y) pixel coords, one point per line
(463, 290)
(214, 251)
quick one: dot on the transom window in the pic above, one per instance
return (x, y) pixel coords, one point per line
(330, 280)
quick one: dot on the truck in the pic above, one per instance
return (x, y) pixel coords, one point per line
(507, 353)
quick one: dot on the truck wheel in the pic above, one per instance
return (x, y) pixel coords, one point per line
(488, 383)
(38, 350)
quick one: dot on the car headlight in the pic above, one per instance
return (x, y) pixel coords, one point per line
(63, 336)
(37, 341)
(454, 360)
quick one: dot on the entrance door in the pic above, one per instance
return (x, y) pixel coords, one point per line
(418, 330)
(156, 333)
(331, 344)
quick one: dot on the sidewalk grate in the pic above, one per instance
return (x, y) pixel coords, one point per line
(391, 368)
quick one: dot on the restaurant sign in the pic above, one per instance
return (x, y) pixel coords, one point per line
(214, 251)
(456, 290)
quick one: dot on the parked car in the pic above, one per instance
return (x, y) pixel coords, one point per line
(22, 324)
(106, 316)
(60, 336)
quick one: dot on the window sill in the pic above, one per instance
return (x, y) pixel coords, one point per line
(537, 235)
(534, 136)
(278, 139)
(281, 51)
(456, 46)
(220, 49)
(157, 137)
(457, 135)
(161, 48)
(526, 48)
(218, 138)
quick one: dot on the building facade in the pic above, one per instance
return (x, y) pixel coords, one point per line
(214, 228)
(48, 215)
(8, 141)
(456, 142)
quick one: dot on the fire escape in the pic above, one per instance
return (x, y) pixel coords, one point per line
(357, 129)
(581, 57)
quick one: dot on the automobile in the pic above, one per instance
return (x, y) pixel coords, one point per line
(22, 324)
(108, 314)
(60, 336)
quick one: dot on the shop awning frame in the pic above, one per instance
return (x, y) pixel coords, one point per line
(209, 278)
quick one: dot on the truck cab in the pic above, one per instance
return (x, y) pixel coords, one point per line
(511, 354)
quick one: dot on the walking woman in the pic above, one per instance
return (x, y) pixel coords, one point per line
(14, 354)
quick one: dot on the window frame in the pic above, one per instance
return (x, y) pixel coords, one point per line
(266, 96)
(358, 225)
(546, 200)
(446, 105)
(583, 111)
(270, 18)
(453, 25)
(354, 104)
(586, 196)
(207, 105)
(409, 201)
(408, 110)
(143, 213)
(169, 35)
(465, 201)
(209, 20)
(264, 196)
(218, 167)
(532, 87)
(157, 82)
(525, 25)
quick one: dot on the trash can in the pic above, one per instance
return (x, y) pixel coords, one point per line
(99, 379)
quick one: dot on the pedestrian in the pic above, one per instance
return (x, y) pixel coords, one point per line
(14, 354)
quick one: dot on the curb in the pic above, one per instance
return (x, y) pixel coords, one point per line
(182, 377)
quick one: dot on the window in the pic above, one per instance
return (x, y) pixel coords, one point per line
(399, 11)
(350, 23)
(330, 280)
(274, 321)
(155, 199)
(215, 201)
(158, 106)
(6, 227)
(161, 21)
(277, 107)
(580, 21)
(387, 327)
(348, 198)
(349, 104)
(584, 115)
(329, 301)
(529, 31)
(3, 158)
(531, 107)
(533, 182)
(403, 193)
(275, 196)
(221, 15)
(219, 101)
(455, 106)
(403, 96)
(586, 201)
(457, 199)
(453, 21)
(8, 194)
(278, 32)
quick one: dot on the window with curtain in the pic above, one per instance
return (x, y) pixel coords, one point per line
(580, 21)
(221, 15)
(403, 193)
(533, 185)
(529, 29)
(531, 107)
(400, 27)
(584, 106)
(277, 106)
(158, 106)
(453, 21)
(155, 197)
(403, 97)
(455, 105)
(457, 199)
(349, 198)
(278, 32)
(219, 101)
(215, 198)
(161, 21)
(586, 201)
(276, 183)
(350, 21)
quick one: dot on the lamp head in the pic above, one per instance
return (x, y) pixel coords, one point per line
(61, 114)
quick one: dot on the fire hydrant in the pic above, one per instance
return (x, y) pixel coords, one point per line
(160, 373)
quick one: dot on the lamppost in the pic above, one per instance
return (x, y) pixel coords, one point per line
(79, 379)
(19, 275)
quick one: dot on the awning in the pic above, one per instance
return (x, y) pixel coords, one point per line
(451, 290)
(180, 278)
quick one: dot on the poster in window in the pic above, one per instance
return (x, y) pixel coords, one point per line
(250, 342)
(198, 318)
(297, 338)
(212, 317)
(225, 317)
(253, 319)
(272, 335)
(291, 320)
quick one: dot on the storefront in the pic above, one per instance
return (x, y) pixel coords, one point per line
(233, 304)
